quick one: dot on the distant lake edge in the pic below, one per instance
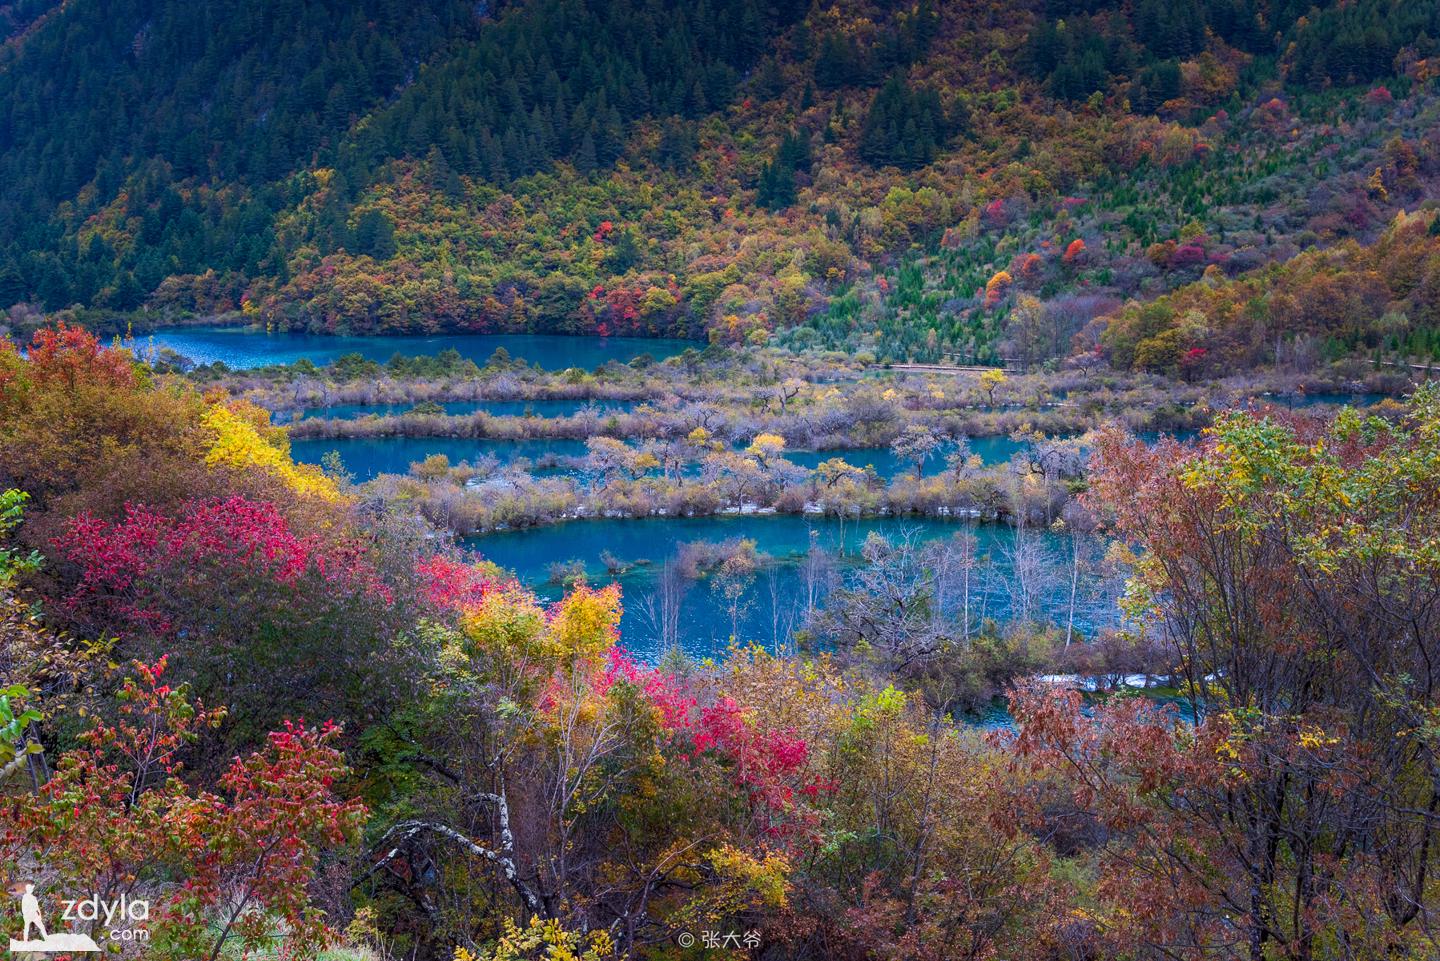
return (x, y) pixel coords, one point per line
(247, 347)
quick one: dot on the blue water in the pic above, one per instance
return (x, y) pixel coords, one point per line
(369, 457)
(240, 347)
(1311, 400)
(996, 715)
(562, 407)
(366, 457)
(1183, 436)
(773, 604)
(991, 450)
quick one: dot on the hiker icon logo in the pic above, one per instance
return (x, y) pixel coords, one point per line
(36, 938)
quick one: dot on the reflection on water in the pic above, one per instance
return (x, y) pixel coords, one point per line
(776, 599)
(367, 457)
(990, 450)
(241, 347)
(547, 407)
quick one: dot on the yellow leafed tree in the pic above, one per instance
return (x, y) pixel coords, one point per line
(242, 438)
(544, 941)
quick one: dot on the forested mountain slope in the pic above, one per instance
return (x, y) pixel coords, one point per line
(967, 180)
(17, 18)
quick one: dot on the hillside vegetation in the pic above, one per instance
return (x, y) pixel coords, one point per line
(964, 181)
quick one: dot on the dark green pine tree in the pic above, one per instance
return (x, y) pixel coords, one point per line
(609, 138)
(128, 294)
(375, 235)
(676, 149)
(12, 285)
(55, 288)
(840, 63)
(769, 80)
(624, 253)
(904, 127)
(442, 177)
(776, 189)
(794, 152)
(586, 161)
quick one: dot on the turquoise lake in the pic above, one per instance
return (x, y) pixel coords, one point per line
(367, 457)
(773, 603)
(241, 348)
(634, 552)
(1312, 400)
(547, 407)
(990, 450)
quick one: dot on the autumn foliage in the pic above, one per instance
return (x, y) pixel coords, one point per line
(132, 573)
(1325, 304)
(1291, 562)
(222, 867)
(504, 780)
(71, 357)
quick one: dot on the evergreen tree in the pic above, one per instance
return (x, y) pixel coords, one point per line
(442, 176)
(840, 62)
(776, 189)
(676, 149)
(375, 235)
(128, 295)
(904, 127)
(624, 253)
(12, 285)
(586, 160)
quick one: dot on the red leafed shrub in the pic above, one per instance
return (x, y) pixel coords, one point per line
(620, 309)
(452, 585)
(995, 214)
(219, 870)
(270, 618)
(1026, 267)
(769, 764)
(71, 356)
(1074, 251)
(675, 706)
(131, 568)
(1188, 254)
